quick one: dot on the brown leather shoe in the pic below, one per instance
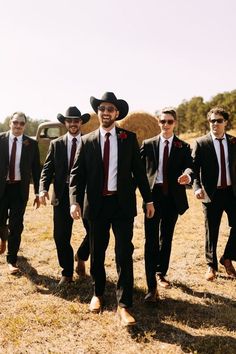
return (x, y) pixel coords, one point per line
(151, 297)
(161, 281)
(95, 305)
(227, 263)
(80, 267)
(126, 319)
(65, 280)
(210, 274)
(13, 269)
(3, 245)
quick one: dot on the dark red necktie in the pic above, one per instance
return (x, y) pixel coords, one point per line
(106, 155)
(165, 161)
(12, 161)
(72, 153)
(223, 180)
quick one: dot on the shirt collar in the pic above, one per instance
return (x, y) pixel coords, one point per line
(71, 137)
(103, 131)
(19, 138)
(215, 138)
(164, 139)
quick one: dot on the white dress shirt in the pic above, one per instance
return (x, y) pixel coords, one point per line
(159, 178)
(18, 154)
(217, 150)
(70, 142)
(113, 159)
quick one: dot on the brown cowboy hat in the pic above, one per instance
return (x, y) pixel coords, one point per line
(73, 112)
(110, 97)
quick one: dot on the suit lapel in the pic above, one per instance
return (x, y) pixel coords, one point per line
(64, 144)
(97, 146)
(156, 145)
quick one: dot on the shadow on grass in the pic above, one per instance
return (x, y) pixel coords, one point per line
(157, 322)
(80, 289)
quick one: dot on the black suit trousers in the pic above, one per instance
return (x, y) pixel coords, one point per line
(62, 235)
(223, 200)
(12, 209)
(158, 236)
(122, 226)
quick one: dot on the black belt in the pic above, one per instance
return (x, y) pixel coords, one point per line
(109, 194)
(13, 182)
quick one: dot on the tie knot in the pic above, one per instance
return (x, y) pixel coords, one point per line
(107, 135)
(74, 140)
(15, 139)
(220, 139)
(166, 142)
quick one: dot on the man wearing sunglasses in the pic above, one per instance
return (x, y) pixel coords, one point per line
(168, 165)
(214, 157)
(19, 161)
(107, 168)
(56, 169)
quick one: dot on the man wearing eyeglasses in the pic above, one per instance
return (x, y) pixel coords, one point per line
(108, 168)
(56, 169)
(19, 161)
(168, 165)
(214, 157)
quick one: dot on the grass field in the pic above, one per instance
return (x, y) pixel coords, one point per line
(194, 316)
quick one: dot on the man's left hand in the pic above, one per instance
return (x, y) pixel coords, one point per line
(184, 179)
(150, 210)
(36, 202)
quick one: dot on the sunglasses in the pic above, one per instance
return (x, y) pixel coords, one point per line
(110, 109)
(167, 121)
(15, 122)
(76, 120)
(219, 120)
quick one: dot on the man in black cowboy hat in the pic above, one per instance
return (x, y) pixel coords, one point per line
(107, 163)
(57, 168)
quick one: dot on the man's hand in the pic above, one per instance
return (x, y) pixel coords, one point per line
(184, 179)
(36, 202)
(200, 194)
(42, 198)
(150, 210)
(75, 211)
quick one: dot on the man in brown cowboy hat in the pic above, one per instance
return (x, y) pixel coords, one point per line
(57, 168)
(107, 163)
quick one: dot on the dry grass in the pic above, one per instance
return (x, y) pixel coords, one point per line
(194, 316)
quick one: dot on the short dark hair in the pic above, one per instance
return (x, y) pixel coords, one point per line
(169, 110)
(218, 110)
(21, 114)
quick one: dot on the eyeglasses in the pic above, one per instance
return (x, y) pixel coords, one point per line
(110, 109)
(219, 120)
(167, 121)
(16, 122)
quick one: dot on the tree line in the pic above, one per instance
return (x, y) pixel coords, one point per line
(191, 114)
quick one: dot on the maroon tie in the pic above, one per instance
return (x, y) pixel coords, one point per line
(223, 180)
(72, 153)
(106, 155)
(12, 161)
(165, 160)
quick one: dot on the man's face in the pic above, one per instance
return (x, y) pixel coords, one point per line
(167, 124)
(17, 124)
(73, 125)
(107, 115)
(217, 124)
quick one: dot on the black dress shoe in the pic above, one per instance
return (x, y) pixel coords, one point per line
(65, 280)
(151, 297)
(227, 263)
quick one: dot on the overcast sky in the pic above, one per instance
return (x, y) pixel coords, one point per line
(152, 53)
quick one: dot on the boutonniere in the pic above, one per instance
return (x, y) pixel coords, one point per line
(232, 140)
(122, 135)
(26, 142)
(178, 144)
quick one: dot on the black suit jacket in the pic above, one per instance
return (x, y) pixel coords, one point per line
(29, 164)
(206, 168)
(55, 169)
(87, 174)
(179, 162)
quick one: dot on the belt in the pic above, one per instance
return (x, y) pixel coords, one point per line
(13, 182)
(108, 194)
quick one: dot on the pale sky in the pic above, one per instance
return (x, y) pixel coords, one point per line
(153, 53)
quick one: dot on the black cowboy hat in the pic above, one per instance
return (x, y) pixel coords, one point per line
(73, 112)
(109, 97)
